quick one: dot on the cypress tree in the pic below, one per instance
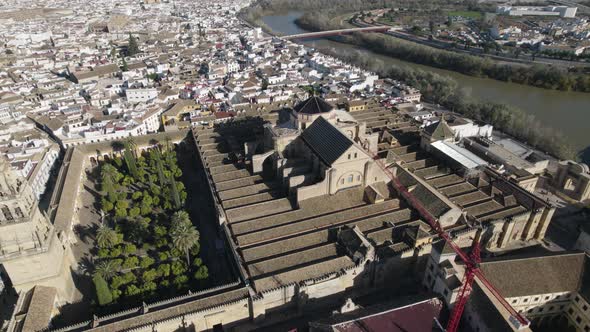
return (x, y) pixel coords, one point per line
(130, 161)
(132, 49)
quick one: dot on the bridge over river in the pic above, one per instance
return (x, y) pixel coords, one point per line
(329, 33)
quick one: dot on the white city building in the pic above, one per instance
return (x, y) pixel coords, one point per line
(141, 95)
(561, 11)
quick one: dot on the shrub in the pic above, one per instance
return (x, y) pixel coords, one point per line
(123, 279)
(149, 287)
(160, 231)
(155, 190)
(130, 262)
(197, 262)
(117, 263)
(180, 281)
(104, 253)
(136, 195)
(103, 294)
(177, 268)
(176, 253)
(144, 209)
(202, 273)
(132, 290)
(116, 252)
(122, 204)
(164, 270)
(106, 205)
(195, 249)
(116, 294)
(130, 249)
(134, 212)
(163, 242)
(146, 262)
(122, 197)
(129, 277)
(149, 275)
(164, 255)
(120, 213)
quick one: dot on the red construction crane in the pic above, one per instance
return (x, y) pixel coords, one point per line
(468, 279)
(471, 261)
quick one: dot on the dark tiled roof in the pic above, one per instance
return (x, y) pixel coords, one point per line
(405, 178)
(536, 275)
(326, 141)
(439, 130)
(313, 105)
(431, 202)
(302, 273)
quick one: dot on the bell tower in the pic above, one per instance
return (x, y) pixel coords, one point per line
(30, 251)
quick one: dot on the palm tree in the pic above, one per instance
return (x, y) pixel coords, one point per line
(184, 235)
(106, 269)
(154, 142)
(180, 218)
(117, 146)
(106, 237)
(108, 170)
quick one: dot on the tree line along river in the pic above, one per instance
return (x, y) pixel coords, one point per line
(568, 112)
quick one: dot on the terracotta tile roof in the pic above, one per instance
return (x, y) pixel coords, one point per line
(40, 309)
(403, 314)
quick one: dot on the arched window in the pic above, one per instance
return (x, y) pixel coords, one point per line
(350, 178)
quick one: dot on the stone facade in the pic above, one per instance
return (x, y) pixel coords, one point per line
(30, 251)
(573, 179)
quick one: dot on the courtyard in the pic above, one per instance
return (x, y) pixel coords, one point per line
(197, 202)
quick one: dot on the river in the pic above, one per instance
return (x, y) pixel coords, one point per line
(567, 112)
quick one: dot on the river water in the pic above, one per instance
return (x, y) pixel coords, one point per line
(567, 112)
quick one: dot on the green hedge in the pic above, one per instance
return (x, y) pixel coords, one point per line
(103, 293)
